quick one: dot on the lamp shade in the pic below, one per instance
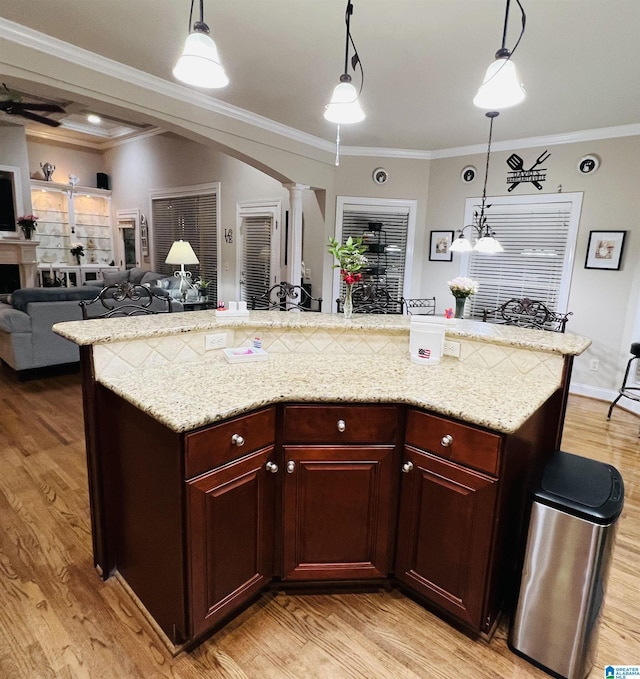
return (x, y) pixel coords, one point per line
(460, 244)
(344, 107)
(500, 88)
(199, 65)
(181, 252)
(488, 245)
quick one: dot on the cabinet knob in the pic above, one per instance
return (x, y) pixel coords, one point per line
(291, 465)
(447, 440)
(342, 425)
(407, 467)
(272, 467)
(237, 440)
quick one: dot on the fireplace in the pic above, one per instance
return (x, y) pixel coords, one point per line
(21, 254)
(9, 277)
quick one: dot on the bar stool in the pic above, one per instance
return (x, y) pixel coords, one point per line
(626, 390)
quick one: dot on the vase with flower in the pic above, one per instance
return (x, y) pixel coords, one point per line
(461, 288)
(77, 250)
(28, 225)
(350, 260)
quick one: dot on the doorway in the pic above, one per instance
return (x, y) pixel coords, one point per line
(127, 246)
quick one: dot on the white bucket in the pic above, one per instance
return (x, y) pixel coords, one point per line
(426, 341)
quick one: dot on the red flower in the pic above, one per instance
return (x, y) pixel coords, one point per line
(349, 278)
(357, 277)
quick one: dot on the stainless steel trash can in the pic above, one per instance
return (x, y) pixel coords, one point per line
(573, 522)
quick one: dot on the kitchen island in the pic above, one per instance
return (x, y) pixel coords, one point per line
(336, 461)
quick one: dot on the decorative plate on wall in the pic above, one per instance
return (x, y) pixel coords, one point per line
(588, 164)
(468, 174)
(380, 175)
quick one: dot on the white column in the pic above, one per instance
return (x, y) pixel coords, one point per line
(294, 245)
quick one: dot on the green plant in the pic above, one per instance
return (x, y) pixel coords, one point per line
(350, 258)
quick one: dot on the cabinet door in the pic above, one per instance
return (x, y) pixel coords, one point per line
(230, 514)
(338, 512)
(444, 534)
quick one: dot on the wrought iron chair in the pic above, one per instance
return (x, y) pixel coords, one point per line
(126, 299)
(628, 390)
(285, 297)
(372, 299)
(527, 313)
(425, 306)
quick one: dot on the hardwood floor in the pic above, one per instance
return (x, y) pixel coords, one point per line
(58, 619)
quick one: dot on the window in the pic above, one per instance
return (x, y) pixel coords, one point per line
(189, 214)
(538, 234)
(258, 247)
(392, 242)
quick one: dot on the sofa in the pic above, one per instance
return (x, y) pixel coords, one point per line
(27, 341)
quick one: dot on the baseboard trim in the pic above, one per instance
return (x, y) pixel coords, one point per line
(602, 394)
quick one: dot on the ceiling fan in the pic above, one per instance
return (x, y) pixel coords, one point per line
(13, 104)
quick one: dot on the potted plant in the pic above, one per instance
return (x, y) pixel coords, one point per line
(28, 225)
(77, 250)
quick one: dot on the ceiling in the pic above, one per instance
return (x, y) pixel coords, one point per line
(423, 60)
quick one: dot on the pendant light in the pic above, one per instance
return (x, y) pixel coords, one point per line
(199, 65)
(501, 88)
(486, 241)
(344, 107)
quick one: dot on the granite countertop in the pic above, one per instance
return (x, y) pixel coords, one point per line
(202, 393)
(99, 331)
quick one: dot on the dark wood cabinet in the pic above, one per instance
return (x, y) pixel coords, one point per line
(339, 491)
(199, 523)
(338, 512)
(230, 537)
(445, 530)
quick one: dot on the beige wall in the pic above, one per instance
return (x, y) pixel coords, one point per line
(82, 162)
(603, 302)
(13, 153)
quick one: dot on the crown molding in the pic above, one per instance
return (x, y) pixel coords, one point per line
(58, 135)
(49, 45)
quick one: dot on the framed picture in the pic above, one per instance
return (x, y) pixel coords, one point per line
(605, 249)
(439, 250)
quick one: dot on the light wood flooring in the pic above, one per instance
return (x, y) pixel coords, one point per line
(59, 619)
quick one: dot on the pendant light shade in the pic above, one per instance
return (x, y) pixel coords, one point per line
(500, 88)
(344, 107)
(199, 65)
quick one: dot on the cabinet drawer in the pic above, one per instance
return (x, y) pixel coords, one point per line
(340, 424)
(213, 447)
(454, 441)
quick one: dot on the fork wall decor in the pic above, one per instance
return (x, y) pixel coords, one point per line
(534, 175)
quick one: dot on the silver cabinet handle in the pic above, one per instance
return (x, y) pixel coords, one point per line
(447, 440)
(407, 467)
(272, 467)
(291, 465)
(342, 425)
(237, 440)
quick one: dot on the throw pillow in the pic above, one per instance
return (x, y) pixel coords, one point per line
(115, 277)
(136, 275)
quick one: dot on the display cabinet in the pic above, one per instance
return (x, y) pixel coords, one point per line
(70, 216)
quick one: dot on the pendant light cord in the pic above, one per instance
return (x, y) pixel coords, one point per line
(355, 59)
(482, 219)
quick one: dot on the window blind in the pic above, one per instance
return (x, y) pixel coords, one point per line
(256, 255)
(191, 218)
(535, 238)
(395, 225)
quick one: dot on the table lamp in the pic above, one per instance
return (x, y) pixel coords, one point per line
(182, 253)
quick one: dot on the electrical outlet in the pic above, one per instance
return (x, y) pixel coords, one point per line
(218, 341)
(452, 348)
(595, 364)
